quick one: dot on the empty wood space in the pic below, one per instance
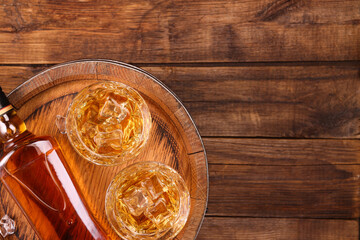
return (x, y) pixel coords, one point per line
(34, 32)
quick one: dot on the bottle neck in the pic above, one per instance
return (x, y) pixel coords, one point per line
(11, 126)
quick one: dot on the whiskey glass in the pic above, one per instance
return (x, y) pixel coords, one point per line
(147, 200)
(108, 123)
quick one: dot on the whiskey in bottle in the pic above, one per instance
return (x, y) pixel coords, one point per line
(35, 173)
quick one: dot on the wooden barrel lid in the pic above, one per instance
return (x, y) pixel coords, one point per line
(174, 139)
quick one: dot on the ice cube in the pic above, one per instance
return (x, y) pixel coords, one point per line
(112, 108)
(108, 125)
(158, 212)
(109, 139)
(154, 186)
(7, 226)
(91, 112)
(137, 201)
(88, 128)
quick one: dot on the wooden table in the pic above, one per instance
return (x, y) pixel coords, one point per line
(273, 86)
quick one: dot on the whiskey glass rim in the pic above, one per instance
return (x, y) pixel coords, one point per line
(147, 166)
(97, 158)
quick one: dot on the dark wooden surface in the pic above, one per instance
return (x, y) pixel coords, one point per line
(273, 86)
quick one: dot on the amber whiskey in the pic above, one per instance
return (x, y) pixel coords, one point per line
(35, 173)
(108, 122)
(147, 200)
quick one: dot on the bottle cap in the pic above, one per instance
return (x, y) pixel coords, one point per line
(4, 102)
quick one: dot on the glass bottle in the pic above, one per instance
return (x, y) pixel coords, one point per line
(35, 173)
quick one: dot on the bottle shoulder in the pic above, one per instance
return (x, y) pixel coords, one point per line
(26, 151)
(29, 139)
(39, 139)
(30, 142)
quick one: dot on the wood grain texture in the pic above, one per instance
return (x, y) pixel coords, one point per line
(172, 142)
(269, 101)
(278, 228)
(13, 76)
(282, 152)
(179, 31)
(263, 101)
(325, 191)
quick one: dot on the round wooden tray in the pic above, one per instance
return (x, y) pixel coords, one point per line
(174, 139)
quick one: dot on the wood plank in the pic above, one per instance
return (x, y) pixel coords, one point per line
(13, 76)
(278, 228)
(269, 101)
(276, 152)
(327, 191)
(265, 101)
(283, 177)
(35, 32)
